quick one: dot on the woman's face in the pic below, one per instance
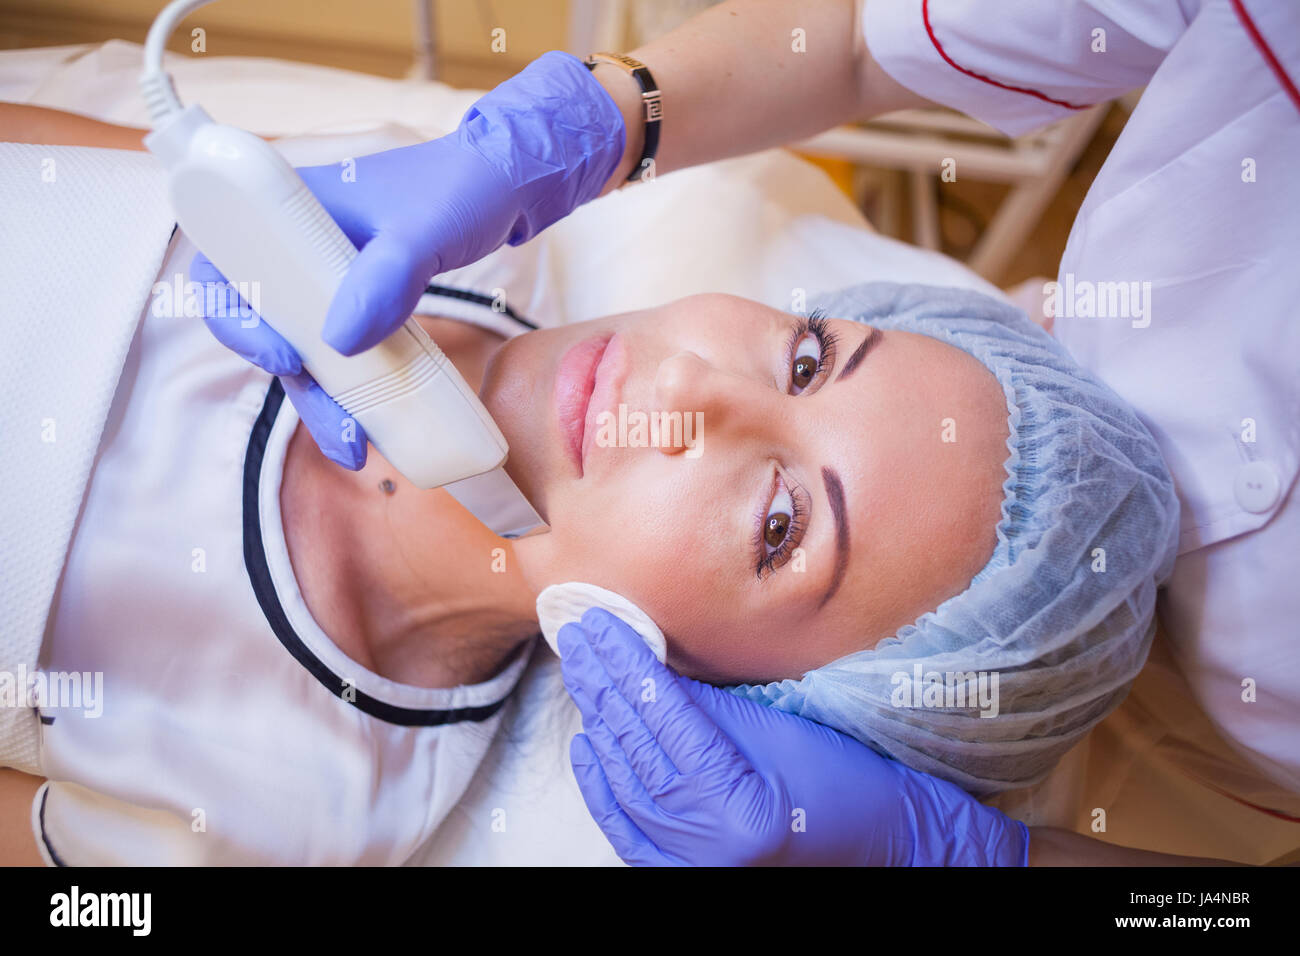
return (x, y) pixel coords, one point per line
(841, 480)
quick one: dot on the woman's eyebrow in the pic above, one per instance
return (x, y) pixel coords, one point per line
(835, 495)
(868, 343)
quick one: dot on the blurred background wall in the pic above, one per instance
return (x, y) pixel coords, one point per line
(374, 36)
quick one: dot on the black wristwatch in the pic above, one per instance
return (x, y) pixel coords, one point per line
(653, 108)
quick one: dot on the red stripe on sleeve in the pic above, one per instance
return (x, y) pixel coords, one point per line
(1267, 53)
(925, 14)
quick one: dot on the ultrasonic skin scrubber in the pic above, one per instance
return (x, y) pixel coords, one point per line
(244, 206)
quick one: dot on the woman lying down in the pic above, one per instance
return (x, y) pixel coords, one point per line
(908, 515)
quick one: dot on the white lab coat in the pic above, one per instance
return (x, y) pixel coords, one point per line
(1200, 198)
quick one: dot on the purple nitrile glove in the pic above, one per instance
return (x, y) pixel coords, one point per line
(340, 438)
(524, 156)
(676, 772)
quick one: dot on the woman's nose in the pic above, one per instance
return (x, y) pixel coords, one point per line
(705, 396)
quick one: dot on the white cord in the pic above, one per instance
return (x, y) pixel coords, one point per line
(159, 93)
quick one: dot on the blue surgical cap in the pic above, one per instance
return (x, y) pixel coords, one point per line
(1062, 614)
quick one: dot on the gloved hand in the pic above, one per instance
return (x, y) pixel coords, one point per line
(339, 437)
(679, 772)
(524, 156)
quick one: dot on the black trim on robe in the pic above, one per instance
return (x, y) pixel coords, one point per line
(49, 847)
(477, 298)
(259, 575)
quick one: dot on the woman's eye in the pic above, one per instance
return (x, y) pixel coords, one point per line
(780, 526)
(807, 362)
(779, 516)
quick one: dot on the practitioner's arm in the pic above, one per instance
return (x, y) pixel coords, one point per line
(732, 83)
(17, 842)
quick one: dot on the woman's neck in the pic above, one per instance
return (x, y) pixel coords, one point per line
(405, 581)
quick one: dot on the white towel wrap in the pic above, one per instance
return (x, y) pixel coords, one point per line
(85, 233)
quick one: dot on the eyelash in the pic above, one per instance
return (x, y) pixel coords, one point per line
(793, 535)
(826, 337)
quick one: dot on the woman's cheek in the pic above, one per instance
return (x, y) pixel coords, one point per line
(591, 539)
(606, 539)
(635, 553)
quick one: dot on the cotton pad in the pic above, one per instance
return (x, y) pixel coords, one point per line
(562, 604)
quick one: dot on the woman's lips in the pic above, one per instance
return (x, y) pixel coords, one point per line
(610, 372)
(575, 382)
